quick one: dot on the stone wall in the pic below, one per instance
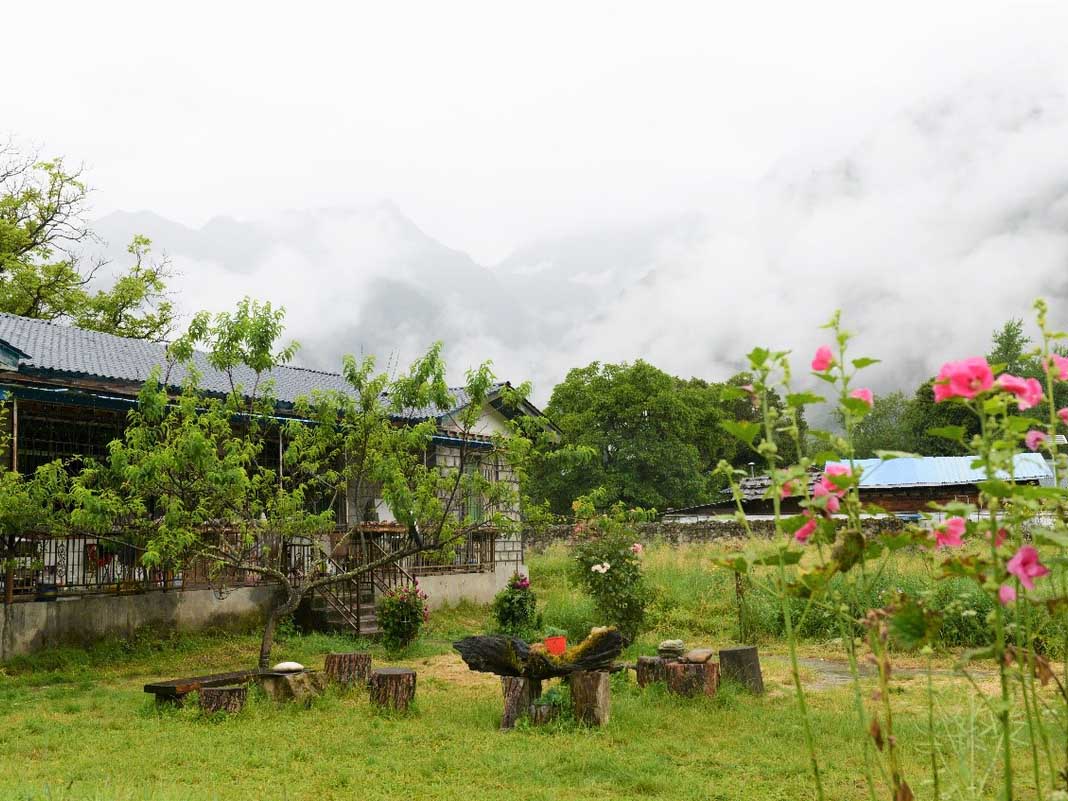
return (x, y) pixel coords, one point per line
(31, 626)
(677, 533)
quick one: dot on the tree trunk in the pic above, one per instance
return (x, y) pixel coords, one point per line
(684, 678)
(591, 696)
(650, 669)
(275, 614)
(742, 664)
(519, 693)
(223, 699)
(348, 669)
(392, 688)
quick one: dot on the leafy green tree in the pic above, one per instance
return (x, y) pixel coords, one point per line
(43, 205)
(885, 428)
(190, 479)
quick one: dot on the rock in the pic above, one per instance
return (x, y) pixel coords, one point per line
(671, 649)
(697, 656)
(288, 667)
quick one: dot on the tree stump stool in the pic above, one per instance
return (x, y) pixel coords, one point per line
(519, 693)
(223, 699)
(684, 678)
(392, 688)
(302, 685)
(541, 713)
(650, 669)
(348, 669)
(742, 664)
(591, 696)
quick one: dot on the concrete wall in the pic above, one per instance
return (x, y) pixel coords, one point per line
(478, 588)
(36, 625)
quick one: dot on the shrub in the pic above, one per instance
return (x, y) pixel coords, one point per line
(516, 608)
(401, 614)
(608, 565)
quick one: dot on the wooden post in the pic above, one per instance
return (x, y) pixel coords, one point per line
(223, 699)
(591, 696)
(519, 693)
(540, 714)
(684, 678)
(392, 688)
(742, 664)
(650, 669)
(348, 669)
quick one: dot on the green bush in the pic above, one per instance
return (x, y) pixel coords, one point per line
(515, 608)
(401, 614)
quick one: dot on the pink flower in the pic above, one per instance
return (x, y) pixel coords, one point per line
(637, 549)
(1006, 594)
(823, 359)
(964, 379)
(825, 486)
(1026, 567)
(787, 489)
(1028, 391)
(806, 531)
(863, 394)
(1035, 438)
(1063, 414)
(825, 489)
(1059, 366)
(999, 537)
(948, 535)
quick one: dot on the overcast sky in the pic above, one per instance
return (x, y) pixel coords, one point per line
(489, 123)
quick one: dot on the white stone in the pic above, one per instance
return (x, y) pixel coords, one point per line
(288, 667)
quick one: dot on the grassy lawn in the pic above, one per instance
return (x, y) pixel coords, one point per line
(76, 724)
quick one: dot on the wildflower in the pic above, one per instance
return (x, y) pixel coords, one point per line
(964, 379)
(1035, 438)
(826, 486)
(999, 537)
(1028, 391)
(601, 568)
(1006, 594)
(1063, 414)
(637, 549)
(1058, 365)
(806, 531)
(863, 394)
(1026, 566)
(823, 359)
(948, 534)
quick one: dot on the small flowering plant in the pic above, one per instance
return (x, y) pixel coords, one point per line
(515, 608)
(1005, 541)
(401, 613)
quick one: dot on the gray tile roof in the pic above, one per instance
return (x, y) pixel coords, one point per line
(62, 351)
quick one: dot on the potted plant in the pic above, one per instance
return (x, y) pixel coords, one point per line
(555, 640)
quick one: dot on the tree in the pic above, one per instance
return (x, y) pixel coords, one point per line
(190, 479)
(43, 206)
(885, 428)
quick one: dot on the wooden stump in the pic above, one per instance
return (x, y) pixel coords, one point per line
(348, 669)
(650, 669)
(540, 714)
(223, 699)
(591, 696)
(303, 685)
(392, 688)
(688, 679)
(742, 664)
(519, 693)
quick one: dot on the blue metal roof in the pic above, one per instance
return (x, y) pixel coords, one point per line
(939, 471)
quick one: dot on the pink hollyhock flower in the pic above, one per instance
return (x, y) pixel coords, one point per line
(825, 486)
(999, 537)
(786, 490)
(806, 531)
(823, 359)
(637, 549)
(1059, 366)
(1026, 566)
(1006, 594)
(948, 535)
(1035, 438)
(863, 394)
(1063, 414)
(964, 379)
(1028, 391)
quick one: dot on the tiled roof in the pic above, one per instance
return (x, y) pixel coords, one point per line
(63, 351)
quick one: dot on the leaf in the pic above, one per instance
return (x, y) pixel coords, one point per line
(742, 429)
(1051, 537)
(888, 455)
(911, 625)
(784, 556)
(797, 400)
(856, 407)
(865, 361)
(955, 433)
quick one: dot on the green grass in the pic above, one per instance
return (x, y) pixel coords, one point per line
(75, 724)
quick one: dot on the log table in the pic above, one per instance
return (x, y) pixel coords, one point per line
(392, 688)
(689, 679)
(348, 669)
(223, 699)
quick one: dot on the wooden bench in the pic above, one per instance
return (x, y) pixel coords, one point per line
(175, 689)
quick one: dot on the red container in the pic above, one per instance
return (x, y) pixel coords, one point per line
(556, 645)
